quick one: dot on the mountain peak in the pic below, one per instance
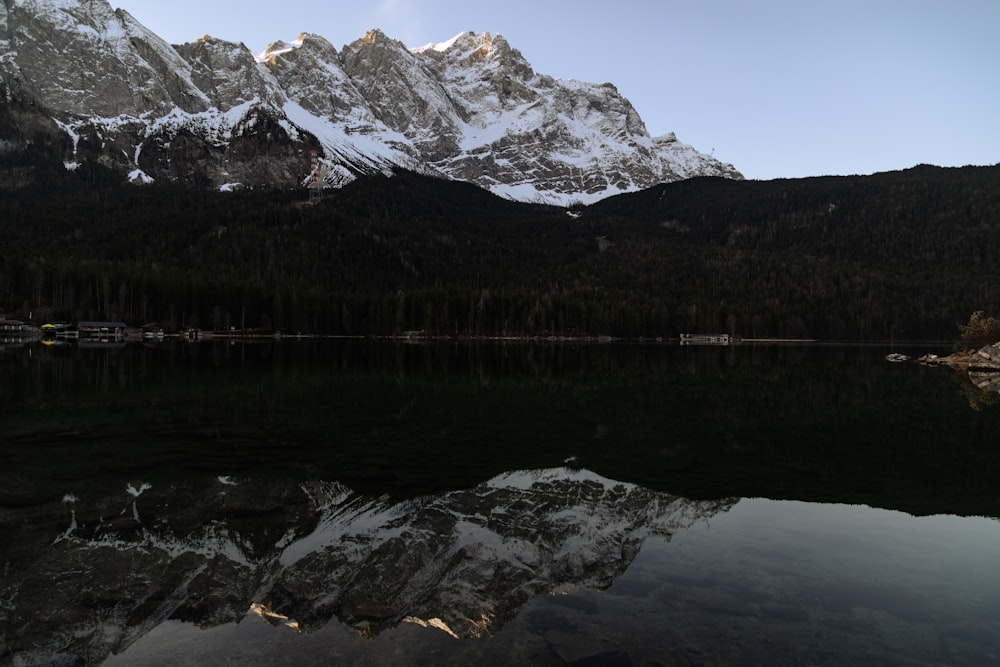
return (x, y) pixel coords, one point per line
(476, 49)
(211, 112)
(462, 41)
(376, 36)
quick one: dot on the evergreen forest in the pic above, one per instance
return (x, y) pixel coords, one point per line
(903, 255)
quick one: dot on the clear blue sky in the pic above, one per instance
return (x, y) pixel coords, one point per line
(779, 88)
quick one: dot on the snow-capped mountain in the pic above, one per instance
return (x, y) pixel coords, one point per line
(105, 566)
(213, 114)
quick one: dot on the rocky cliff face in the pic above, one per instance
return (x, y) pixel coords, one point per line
(212, 114)
(92, 574)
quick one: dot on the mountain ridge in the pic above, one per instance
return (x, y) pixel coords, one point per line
(212, 114)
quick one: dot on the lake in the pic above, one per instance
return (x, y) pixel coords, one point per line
(385, 503)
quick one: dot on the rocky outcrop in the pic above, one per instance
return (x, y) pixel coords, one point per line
(310, 72)
(85, 59)
(228, 75)
(985, 360)
(404, 93)
(211, 114)
(982, 367)
(203, 114)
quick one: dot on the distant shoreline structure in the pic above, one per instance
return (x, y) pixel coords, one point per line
(706, 339)
(17, 333)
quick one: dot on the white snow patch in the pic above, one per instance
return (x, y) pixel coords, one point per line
(139, 177)
(68, 533)
(373, 150)
(277, 49)
(74, 136)
(214, 541)
(485, 129)
(358, 517)
(87, 30)
(440, 46)
(526, 479)
(135, 493)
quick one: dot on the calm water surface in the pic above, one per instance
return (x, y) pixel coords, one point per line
(381, 503)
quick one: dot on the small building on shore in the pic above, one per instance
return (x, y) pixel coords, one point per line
(705, 339)
(152, 331)
(13, 326)
(101, 329)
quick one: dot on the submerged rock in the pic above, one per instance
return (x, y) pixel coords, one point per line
(988, 381)
(982, 367)
(986, 359)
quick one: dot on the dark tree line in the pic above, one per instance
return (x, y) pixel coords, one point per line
(897, 255)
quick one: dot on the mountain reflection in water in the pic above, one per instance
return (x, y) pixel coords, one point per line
(162, 503)
(206, 551)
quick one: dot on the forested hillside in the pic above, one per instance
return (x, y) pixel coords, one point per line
(905, 254)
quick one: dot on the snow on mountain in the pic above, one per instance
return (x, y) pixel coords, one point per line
(324, 101)
(211, 113)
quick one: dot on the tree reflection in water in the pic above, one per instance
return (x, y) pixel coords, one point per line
(425, 524)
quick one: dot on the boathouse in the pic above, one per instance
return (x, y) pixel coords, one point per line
(101, 329)
(13, 327)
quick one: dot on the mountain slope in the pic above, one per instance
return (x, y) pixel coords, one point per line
(212, 114)
(899, 255)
